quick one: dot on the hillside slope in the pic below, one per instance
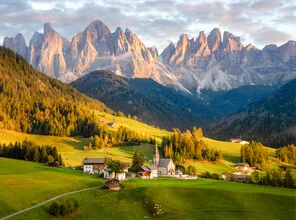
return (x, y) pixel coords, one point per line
(149, 101)
(32, 102)
(271, 120)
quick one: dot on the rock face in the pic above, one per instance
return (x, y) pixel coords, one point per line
(216, 64)
(207, 62)
(17, 44)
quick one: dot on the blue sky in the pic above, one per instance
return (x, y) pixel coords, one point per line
(156, 22)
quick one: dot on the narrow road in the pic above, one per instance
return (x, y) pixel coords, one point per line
(47, 201)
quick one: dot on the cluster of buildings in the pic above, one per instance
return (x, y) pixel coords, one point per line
(161, 166)
(244, 172)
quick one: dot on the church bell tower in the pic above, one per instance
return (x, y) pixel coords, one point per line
(156, 156)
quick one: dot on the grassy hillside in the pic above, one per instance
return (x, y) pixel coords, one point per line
(71, 148)
(180, 199)
(24, 184)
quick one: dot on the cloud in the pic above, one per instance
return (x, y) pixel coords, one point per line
(271, 36)
(156, 22)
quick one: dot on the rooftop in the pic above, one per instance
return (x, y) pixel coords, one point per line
(164, 162)
(93, 160)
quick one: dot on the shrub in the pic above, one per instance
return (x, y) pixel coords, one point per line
(54, 209)
(63, 210)
(66, 209)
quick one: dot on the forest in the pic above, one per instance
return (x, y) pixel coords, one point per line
(188, 145)
(270, 121)
(32, 102)
(29, 151)
(287, 154)
(254, 153)
(123, 136)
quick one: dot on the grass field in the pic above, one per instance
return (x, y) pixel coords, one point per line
(180, 199)
(135, 125)
(72, 151)
(71, 148)
(24, 184)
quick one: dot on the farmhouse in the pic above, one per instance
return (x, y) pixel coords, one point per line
(242, 166)
(165, 166)
(235, 140)
(93, 165)
(112, 184)
(112, 124)
(119, 176)
(147, 172)
(238, 140)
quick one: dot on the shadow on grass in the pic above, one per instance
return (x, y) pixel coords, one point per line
(230, 158)
(78, 143)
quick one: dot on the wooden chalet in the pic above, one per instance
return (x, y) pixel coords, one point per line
(112, 184)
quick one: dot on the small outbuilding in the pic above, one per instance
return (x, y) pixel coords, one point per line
(112, 184)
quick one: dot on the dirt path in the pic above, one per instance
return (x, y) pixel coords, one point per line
(47, 201)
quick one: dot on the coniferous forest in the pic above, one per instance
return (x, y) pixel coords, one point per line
(188, 145)
(32, 102)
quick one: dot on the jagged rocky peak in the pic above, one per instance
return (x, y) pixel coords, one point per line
(214, 39)
(167, 53)
(48, 29)
(201, 37)
(97, 30)
(17, 44)
(250, 47)
(270, 47)
(231, 42)
(119, 42)
(183, 41)
(288, 50)
(153, 51)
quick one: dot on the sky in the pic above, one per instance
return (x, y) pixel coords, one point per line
(155, 22)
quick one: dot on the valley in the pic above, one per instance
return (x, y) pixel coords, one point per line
(100, 124)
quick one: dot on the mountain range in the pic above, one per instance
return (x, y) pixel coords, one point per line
(192, 65)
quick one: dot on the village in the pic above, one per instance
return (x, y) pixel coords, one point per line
(164, 167)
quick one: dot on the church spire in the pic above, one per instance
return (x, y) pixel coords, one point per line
(156, 156)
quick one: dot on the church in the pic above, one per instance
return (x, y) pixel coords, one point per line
(165, 166)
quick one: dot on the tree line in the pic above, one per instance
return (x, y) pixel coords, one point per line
(188, 145)
(287, 154)
(253, 153)
(274, 177)
(29, 151)
(123, 136)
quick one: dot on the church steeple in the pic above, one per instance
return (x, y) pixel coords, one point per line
(156, 156)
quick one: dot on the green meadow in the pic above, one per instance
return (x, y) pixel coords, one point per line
(71, 148)
(72, 151)
(24, 184)
(179, 199)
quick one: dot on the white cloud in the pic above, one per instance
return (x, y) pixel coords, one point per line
(156, 22)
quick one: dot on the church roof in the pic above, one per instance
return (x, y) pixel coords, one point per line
(164, 162)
